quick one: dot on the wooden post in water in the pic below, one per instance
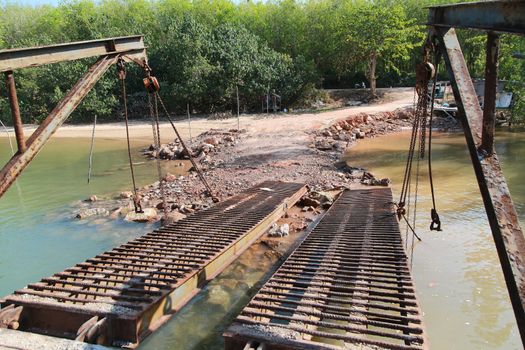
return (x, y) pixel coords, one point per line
(189, 119)
(91, 148)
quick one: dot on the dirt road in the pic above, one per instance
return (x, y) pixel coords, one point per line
(140, 131)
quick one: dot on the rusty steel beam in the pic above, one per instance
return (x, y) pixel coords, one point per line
(499, 16)
(130, 48)
(501, 213)
(489, 101)
(12, 59)
(60, 113)
(15, 111)
(330, 294)
(138, 286)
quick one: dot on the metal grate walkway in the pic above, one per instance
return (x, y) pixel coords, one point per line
(122, 295)
(347, 285)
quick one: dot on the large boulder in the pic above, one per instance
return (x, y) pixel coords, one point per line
(370, 180)
(206, 148)
(324, 199)
(279, 231)
(229, 138)
(324, 145)
(165, 152)
(309, 201)
(92, 198)
(126, 195)
(170, 177)
(148, 215)
(212, 141)
(92, 212)
(173, 217)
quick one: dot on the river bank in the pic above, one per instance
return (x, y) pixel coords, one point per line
(297, 148)
(456, 272)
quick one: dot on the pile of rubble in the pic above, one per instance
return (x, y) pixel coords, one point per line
(343, 133)
(230, 169)
(316, 200)
(202, 147)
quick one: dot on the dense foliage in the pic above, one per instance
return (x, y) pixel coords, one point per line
(202, 51)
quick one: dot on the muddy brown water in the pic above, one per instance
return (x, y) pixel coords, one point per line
(456, 271)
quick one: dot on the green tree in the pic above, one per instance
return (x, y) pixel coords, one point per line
(512, 70)
(187, 69)
(234, 52)
(202, 50)
(376, 31)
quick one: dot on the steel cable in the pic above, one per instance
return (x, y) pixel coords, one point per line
(195, 166)
(122, 76)
(433, 213)
(154, 113)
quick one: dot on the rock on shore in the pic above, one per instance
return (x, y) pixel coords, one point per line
(207, 143)
(233, 161)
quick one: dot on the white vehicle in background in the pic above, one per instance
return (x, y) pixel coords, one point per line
(445, 104)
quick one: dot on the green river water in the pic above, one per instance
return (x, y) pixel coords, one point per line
(456, 271)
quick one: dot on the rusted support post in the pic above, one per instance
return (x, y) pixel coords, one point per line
(502, 216)
(489, 101)
(15, 111)
(58, 115)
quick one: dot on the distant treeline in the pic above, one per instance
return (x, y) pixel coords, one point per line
(203, 50)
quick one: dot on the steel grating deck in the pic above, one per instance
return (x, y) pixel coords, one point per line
(347, 285)
(120, 296)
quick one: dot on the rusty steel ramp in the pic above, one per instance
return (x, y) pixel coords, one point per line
(120, 296)
(347, 286)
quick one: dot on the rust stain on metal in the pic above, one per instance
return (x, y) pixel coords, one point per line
(120, 296)
(501, 213)
(47, 128)
(347, 285)
(15, 111)
(13, 59)
(501, 16)
(489, 101)
(131, 49)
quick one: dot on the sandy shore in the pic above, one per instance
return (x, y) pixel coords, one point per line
(140, 131)
(285, 147)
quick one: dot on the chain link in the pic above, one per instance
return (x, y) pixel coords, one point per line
(154, 113)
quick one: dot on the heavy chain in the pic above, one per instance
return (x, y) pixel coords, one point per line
(122, 77)
(154, 113)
